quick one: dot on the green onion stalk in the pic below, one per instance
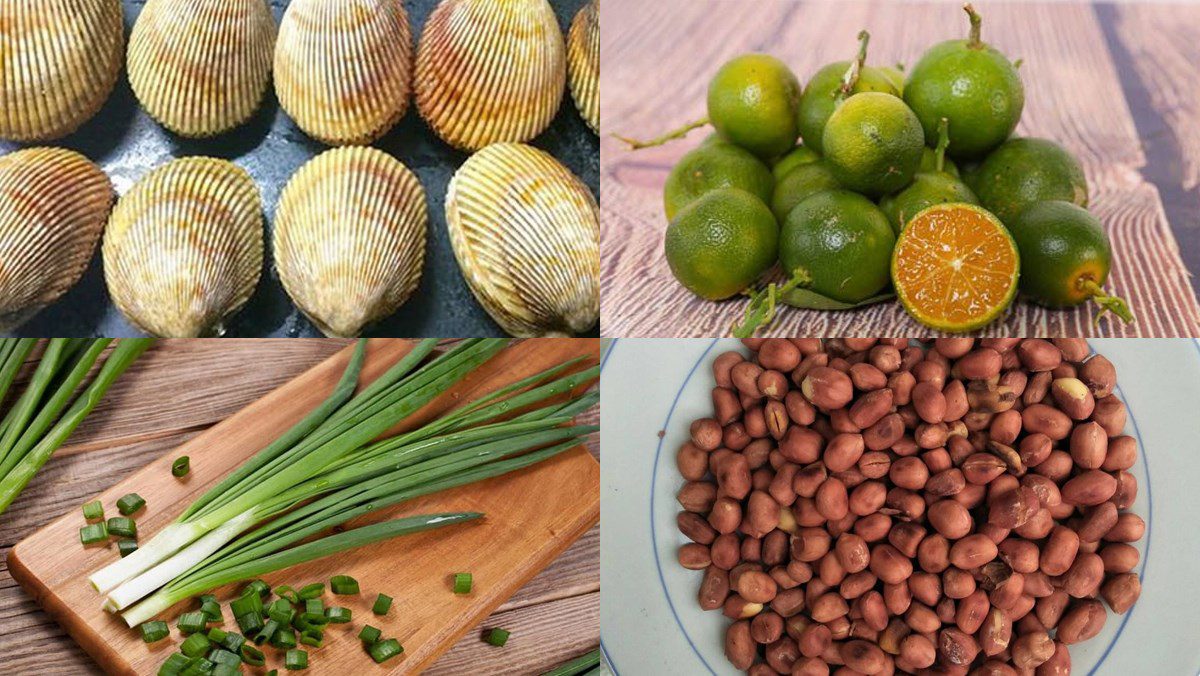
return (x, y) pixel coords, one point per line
(330, 469)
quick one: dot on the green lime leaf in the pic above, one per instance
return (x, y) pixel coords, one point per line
(807, 299)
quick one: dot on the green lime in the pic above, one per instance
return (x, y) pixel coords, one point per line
(752, 102)
(1027, 170)
(895, 74)
(720, 243)
(926, 190)
(714, 139)
(711, 166)
(803, 182)
(842, 241)
(873, 143)
(974, 86)
(1063, 247)
(820, 94)
(797, 156)
(929, 163)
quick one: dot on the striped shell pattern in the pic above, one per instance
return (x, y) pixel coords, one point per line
(53, 205)
(583, 63)
(59, 60)
(184, 247)
(201, 67)
(490, 71)
(350, 237)
(526, 233)
(343, 68)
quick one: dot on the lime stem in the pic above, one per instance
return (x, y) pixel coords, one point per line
(760, 311)
(974, 41)
(1107, 303)
(850, 79)
(943, 143)
(634, 144)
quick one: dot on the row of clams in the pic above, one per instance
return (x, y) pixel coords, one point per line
(184, 247)
(485, 71)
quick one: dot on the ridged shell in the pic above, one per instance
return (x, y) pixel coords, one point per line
(583, 63)
(526, 233)
(490, 71)
(53, 204)
(201, 67)
(343, 68)
(184, 247)
(350, 237)
(59, 60)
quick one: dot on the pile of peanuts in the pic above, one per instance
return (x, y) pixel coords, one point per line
(876, 506)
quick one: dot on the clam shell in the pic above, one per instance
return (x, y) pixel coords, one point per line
(53, 204)
(526, 233)
(583, 63)
(59, 60)
(201, 67)
(490, 71)
(184, 247)
(343, 68)
(350, 237)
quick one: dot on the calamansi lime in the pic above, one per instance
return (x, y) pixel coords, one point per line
(720, 243)
(1023, 171)
(752, 102)
(873, 143)
(796, 157)
(934, 185)
(842, 241)
(1062, 247)
(716, 164)
(803, 182)
(820, 94)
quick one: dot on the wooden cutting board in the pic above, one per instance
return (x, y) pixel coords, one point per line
(531, 516)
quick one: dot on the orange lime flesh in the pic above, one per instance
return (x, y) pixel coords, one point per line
(955, 267)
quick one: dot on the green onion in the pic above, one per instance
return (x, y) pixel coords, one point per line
(174, 665)
(338, 615)
(245, 604)
(314, 610)
(211, 609)
(295, 660)
(284, 591)
(343, 585)
(195, 645)
(226, 670)
(130, 503)
(217, 635)
(224, 657)
(497, 637)
(311, 591)
(93, 533)
(155, 630)
(126, 547)
(199, 667)
(313, 637)
(93, 510)
(382, 651)
(190, 623)
(249, 622)
(273, 672)
(282, 611)
(383, 603)
(268, 630)
(369, 634)
(576, 666)
(122, 526)
(259, 587)
(232, 641)
(253, 656)
(462, 583)
(284, 639)
(181, 466)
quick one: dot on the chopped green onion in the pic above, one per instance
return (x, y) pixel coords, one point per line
(313, 637)
(93, 510)
(497, 637)
(382, 651)
(253, 656)
(314, 611)
(174, 665)
(579, 665)
(295, 660)
(462, 583)
(250, 622)
(126, 547)
(217, 635)
(266, 632)
(122, 526)
(245, 604)
(211, 608)
(128, 504)
(338, 615)
(311, 591)
(233, 641)
(383, 603)
(195, 645)
(226, 670)
(155, 630)
(273, 672)
(181, 466)
(369, 634)
(282, 611)
(258, 586)
(224, 657)
(93, 533)
(284, 639)
(343, 585)
(190, 623)
(284, 591)
(199, 667)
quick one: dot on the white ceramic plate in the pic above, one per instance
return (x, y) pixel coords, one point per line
(651, 623)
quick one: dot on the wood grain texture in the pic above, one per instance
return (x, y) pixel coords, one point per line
(103, 452)
(655, 72)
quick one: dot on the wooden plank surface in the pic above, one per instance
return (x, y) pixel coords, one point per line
(655, 72)
(114, 444)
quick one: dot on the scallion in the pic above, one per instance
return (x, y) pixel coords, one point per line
(130, 503)
(578, 665)
(253, 656)
(199, 667)
(313, 637)
(93, 510)
(497, 637)
(338, 615)
(281, 611)
(462, 583)
(249, 622)
(284, 639)
(383, 603)
(311, 591)
(190, 623)
(226, 670)
(284, 591)
(126, 547)
(224, 657)
(195, 645)
(369, 634)
(343, 585)
(122, 526)
(217, 635)
(155, 630)
(258, 587)
(268, 630)
(382, 651)
(93, 533)
(174, 665)
(181, 466)
(211, 609)
(295, 660)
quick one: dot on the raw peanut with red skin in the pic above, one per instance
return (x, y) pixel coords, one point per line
(828, 607)
(799, 409)
(873, 610)
(726, 551)
(762, 514)
(1060, 551)
(810, 544)
(740, 648)
(727, 407)
(1119, 557)
(1013, 508)
(1032, 649)
(957, 583)
(1057, 466)
(867, 377)
(922, 619)
(697, 496)
(1097, 522)
(722, 366)
(756, 586)
(1073, 397)
(884, 433)
(801, 445)
(863, 657)
(738, 608)
(950, 519)
(827, 388)
(953, 348)
(852, 552)
(1019, 555)
(788, 602)
(1050, 609)
(782, 654)
(1122, 453)
(1099, 375)
(930, 403)
(972, 551)
(766, 627)
(745, 378)
(856, 584)
(1059, 663)
(1129, 528)
(983, 468)
(1111, 414)
(889, 565)
(1089, 445)
(814, 640)
(695, 528)
(706, 434)
(1081, 622)
(1044, 419)
(946, 483)
(955, 395)
(906, 537)
(694, 556)
(692, 462)
(901, 384)
(1089, 488)
(957, 647)
(726, 515)
(773, 384)
(979, 364)
(1121, 592)
(996, 632)
(930, 372)
(776, 418)
(714, 588)
(733, 476)
(910, 473)
(832, 499)
(843, 452)
(1038, 355)
(779, 354)
(925, 587)
(870, 408)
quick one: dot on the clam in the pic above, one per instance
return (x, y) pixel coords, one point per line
(526, 233)
(343, 68)
(583, 63)
(201, 67)
(184, 247)
(53, 204)
(59, 60)
(490, 71)
(350, 238)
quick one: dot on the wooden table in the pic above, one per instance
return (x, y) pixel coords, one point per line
(1115, 83)
(179, 389)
